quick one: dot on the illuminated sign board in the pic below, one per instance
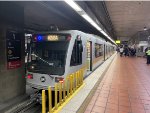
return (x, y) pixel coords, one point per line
(52, 38)
(118, 41)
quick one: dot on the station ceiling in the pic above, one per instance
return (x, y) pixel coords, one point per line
(41, 15)
(120, 19)
(129, 17)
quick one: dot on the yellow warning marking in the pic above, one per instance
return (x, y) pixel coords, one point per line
(67, 100)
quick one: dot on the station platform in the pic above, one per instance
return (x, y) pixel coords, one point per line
(125, 88)
(79, 102)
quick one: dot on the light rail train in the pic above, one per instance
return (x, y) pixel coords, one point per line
(54, 55)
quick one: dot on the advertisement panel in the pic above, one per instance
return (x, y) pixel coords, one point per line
(13, 44)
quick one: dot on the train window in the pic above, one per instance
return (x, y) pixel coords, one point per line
(48, 57)
(98, 50)
(76, 57)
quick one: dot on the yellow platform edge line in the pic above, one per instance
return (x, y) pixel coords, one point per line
(67, 100)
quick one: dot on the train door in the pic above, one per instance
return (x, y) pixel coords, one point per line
(104, 52)
(89, 56)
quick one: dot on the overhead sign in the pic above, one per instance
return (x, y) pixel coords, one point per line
(118, 41)
(13, 50)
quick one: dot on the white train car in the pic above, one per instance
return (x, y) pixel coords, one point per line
(54, 55)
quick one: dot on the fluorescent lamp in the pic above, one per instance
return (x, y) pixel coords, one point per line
(96, 26)
(78, 9)
(145, 28)
(75, 6)
(86, 17)
(112, 40)
(104, 33)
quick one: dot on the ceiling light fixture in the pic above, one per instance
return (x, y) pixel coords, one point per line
(145, 28)
(74, 5)
(86, 17)
(78, 9)
(104, 33)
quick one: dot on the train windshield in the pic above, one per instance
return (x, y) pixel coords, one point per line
(48, 57)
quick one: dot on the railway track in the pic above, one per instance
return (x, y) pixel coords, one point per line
(26, 107)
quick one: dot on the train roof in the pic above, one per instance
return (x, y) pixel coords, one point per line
(62, 31)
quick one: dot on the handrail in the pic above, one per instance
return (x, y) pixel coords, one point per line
(63, 90)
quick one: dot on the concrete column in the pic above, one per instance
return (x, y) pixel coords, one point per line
(12, 81)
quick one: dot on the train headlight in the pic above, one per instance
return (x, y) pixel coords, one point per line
(59, 79)
(42, 79)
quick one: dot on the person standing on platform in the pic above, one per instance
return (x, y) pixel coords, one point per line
(126, 51)
(146, 51)
(121, 51)
(148, 55)
(117, 49)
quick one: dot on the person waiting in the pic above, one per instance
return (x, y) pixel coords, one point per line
(121, 51)
(126, 51)
(148, 55)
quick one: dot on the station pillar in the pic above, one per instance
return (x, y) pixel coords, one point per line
(12, 66)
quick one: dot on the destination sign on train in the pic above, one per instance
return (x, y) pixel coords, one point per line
(52, 37)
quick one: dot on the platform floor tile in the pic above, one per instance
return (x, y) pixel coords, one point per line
(125, 88)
